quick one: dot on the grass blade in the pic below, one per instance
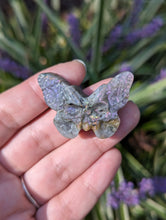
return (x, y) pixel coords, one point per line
(155, 206)
(123, 211)
(96, 56)
(149, 93)
(151, 9)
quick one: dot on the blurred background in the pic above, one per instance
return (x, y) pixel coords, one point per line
(110, 36)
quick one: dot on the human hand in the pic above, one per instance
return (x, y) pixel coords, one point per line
(66, 177)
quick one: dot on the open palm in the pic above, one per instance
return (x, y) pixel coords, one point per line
(66, 177)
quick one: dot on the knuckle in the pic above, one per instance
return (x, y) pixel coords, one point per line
(90, 188)
(61, 172)
(7, 120)
(40, 138)
(67, 209)
(102, 145)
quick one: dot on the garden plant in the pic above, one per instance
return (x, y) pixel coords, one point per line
(110, 37)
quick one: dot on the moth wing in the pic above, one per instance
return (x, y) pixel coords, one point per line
(115, 93)
(111, 97)
(107, 128)
(58, 92)
(68, 128)
(118, 90)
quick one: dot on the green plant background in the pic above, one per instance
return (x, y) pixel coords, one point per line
(144, 149)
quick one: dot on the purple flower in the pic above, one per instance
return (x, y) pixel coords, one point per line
(159, 184)
(132, 37)
(152, 186)
(74, 28)
(137, 7)
(127, 194)
(14, 68)
(125, 67)
(152, 28)
(44, 22)
(113, 200)
(148, 30)
(146, 187)
(162, 73)
(131, 196)
(113, 197)
(161, 76)
(113, 38)
(44, 19)
(89, 54)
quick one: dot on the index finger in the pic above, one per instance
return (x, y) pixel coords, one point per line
(22, 103)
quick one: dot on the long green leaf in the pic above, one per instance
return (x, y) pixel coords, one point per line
(151, 205)
(151, 9)
(149, 93)
(15, 4)
(60, 27)
(134, 164)
(146, 54)
(96, 55)
(13, 48)
(37, 34)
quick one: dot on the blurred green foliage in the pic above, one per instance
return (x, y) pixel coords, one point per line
(24, 39)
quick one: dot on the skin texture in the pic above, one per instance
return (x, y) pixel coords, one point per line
(66, 177)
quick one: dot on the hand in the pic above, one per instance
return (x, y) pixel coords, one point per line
(66, 177)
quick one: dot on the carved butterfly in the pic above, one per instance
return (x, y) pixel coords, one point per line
(76, 110)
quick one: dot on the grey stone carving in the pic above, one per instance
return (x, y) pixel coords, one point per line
(76, 111)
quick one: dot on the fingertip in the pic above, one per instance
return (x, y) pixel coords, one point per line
(112, 158)
(117, 156)
(73, 71)
(132, 112)
(136, 111)
(129, 118)
(103, 170)
(82, 62)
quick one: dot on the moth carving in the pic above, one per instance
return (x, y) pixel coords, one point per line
(76, 111)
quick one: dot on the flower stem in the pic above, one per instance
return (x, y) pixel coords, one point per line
(96, 56)
(123, 212)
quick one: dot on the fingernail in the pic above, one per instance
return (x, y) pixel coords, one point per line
(80, 61)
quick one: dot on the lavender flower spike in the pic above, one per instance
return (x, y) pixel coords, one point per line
(14, 68)
(161, 76)
(152, 186)
(152, 28)
(113, 198)
(137, 6)
(125, 67)
(74, 29)
(130, 196)
(146, 187)
(148, 30)
(125, 193)
(159, 184)
(112, 39)
(44, 19)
